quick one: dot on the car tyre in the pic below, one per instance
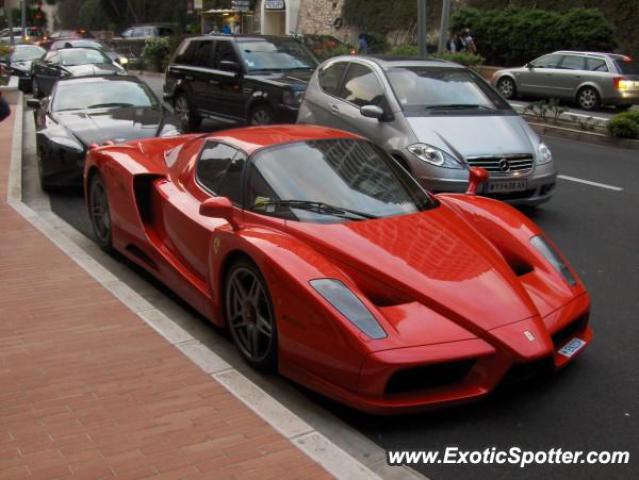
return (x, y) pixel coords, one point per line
(189, 119)
(250, 316)
(35, 88)
(99, 212)
(261, 114)
(507, 88)
(588, 98)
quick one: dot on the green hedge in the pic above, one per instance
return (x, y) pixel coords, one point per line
(514, 36)
(624, 125)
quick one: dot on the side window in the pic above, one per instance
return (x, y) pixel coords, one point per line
(573, 62)
(52, 58)
(184, 53)
(127, 33)
(596, 64)
(224, 51)
(220, 168)
(330, 77)
(547, 61)
(202, 53)
(362, 87)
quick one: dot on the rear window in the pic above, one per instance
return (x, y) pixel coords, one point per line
(628, 67)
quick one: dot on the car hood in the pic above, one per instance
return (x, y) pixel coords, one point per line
(293, 78)
(467, 136)
(93, 69)
(24, 66)
(433, 257)
(117, 125)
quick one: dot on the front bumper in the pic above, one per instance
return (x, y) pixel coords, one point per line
(476, 366)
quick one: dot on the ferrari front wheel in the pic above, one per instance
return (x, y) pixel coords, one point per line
(99, 212)
(250, 316)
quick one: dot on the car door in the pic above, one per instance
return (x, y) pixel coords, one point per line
(321, 98)
(538, 77)
(572, 70)
(362, 86)
(200, 75)
(48, 72)
(218, 171)
(229, 101)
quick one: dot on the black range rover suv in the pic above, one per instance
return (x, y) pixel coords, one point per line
(237, 79)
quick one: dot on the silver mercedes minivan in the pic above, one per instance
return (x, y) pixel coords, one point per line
(437, 119)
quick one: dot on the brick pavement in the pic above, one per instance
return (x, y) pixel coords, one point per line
(89, 391)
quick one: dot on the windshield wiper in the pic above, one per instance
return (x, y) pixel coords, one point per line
(459, 106)
(319, 207)
(109, 105)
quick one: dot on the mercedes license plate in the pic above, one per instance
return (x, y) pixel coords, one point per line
(507, 186)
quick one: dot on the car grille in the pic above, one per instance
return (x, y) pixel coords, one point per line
(504, 165)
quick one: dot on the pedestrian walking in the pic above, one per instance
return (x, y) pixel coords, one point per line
(452, 45)
(363, 43)
(467, 41)
(5, 110)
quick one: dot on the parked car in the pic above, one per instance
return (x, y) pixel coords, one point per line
(67, 34)
(18, 63)
(326, 261)
(589, 79)
(31, 35)
(238, 79)
(89, 43)
(150, 30)
(326, 46)
(86, 112)
(67, 63)
(437, 119)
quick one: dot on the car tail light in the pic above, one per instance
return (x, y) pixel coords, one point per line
(621, 83)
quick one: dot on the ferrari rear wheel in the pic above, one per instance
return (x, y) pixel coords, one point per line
(99, 212)
(250, 316)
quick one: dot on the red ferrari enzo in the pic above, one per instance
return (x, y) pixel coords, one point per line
(327, 261)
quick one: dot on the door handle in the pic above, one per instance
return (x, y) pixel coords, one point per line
(334, 107)
(214, 82)
(188, 77)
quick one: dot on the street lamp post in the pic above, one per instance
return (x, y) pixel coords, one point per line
(421, 27)
(24, 17)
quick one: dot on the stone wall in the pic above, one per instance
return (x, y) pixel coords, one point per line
(318, 17)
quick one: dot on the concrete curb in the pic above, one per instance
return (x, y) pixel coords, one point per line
(313, 443)
(583, 136)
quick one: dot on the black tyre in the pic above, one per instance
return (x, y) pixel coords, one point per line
(99, 212)
(189, 119)
(507, 88)
(588, 99)
(250, 316)
(35, 88)
(261, 114)
(44, 183)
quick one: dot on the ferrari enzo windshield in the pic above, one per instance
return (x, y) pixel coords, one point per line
(103, 94)
(327, 181)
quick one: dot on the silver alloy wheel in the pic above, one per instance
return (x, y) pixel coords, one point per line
(99, 211)
(507, 87)
(249, 314)
(261, 116)
(588, 98)
(182, 110)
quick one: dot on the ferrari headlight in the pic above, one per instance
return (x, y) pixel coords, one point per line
(434, 156)
(553, 258)
(545, 155)
(347, 303)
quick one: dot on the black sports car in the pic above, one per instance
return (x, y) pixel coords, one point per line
(84, 112)
(18, 63)
(68, 63)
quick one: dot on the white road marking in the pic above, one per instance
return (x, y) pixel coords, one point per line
(588, 182)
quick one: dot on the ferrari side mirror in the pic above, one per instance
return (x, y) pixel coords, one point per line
(219, 207)
(476, 177)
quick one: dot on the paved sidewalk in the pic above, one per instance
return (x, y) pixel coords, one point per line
(89, 391)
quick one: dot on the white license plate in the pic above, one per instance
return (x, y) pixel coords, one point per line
(572, 347)
(507, 186)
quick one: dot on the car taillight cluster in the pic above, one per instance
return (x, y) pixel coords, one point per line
(621, 83)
